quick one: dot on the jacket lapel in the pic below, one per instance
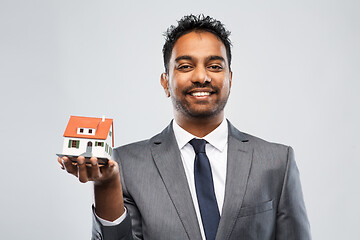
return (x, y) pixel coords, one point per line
(238, 168)
(167, 158)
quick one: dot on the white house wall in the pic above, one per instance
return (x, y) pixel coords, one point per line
(97, 151)
(100, 151)
(109, 142)
(74, 151)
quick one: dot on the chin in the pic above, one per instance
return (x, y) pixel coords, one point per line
(200, 111)
(203, 113)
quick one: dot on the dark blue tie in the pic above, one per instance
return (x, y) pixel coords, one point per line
(204, 185)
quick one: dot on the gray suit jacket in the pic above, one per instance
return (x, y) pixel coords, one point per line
(263, 197)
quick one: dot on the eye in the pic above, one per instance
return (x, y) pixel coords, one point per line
(215, 67)
(184, 67)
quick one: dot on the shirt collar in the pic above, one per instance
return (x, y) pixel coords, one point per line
(217, 138)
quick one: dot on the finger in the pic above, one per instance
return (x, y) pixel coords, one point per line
(61, 163)
(69, 167)
(107, 169)
(81, 167)
(111, 163)
(110, 169)
(94, 169)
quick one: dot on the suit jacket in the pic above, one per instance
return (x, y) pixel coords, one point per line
(263, 197)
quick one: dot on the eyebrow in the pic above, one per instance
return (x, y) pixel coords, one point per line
(215, 57)
(187, 57)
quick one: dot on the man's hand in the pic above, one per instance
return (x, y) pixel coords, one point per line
(109, 202)
(90, 172)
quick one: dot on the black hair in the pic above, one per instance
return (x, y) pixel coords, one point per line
(192, 23)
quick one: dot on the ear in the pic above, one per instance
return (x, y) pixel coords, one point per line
(165, 83)
(230, 79)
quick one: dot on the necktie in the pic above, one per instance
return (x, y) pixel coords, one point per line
(204, 185)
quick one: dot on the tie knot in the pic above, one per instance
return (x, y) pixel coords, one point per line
(198, 145)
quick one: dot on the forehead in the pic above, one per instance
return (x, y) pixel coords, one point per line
(198, 45)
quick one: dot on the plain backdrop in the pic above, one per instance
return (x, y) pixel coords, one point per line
(296, 82)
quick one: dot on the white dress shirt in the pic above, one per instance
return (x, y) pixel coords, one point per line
(216, 151)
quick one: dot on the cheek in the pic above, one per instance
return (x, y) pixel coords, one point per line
(177, 84)
(227, 84)
(224, 84)
(173, 85)
(174, 89)
(225, 88)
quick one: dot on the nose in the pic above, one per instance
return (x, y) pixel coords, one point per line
(200, 75)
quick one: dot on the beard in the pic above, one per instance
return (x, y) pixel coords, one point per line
(185, 108)
(196, 110)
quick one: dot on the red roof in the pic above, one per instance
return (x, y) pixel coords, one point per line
(101, 128)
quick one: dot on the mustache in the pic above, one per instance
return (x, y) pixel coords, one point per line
(197, 85)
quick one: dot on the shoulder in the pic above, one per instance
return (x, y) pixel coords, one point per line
(134, 149)
(259, 143)
(142, 148)
(260, 146)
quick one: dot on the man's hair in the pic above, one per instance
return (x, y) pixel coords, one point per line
(192, 23)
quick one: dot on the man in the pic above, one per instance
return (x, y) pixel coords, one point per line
(230, 185)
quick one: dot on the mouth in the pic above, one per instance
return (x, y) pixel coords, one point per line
(201, 92)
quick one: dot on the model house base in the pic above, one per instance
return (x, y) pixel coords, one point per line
(101, 161)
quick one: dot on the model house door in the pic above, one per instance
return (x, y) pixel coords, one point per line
(89, 148)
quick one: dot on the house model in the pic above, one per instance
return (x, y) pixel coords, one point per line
(87, 136)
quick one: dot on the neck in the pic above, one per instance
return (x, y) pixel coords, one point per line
(199, 127)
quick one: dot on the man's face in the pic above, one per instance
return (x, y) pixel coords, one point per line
(199, 78)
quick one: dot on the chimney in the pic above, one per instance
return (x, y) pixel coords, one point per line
(103, 118)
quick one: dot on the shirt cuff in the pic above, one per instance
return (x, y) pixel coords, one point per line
(107, 223)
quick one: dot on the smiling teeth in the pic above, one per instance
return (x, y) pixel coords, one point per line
(200, 94)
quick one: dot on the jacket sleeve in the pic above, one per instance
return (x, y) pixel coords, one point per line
(292, 221)
(130, 227)
(121, 231)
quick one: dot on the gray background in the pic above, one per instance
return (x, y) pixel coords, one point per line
(296, 81)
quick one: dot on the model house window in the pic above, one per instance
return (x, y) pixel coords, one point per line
(74, 143)
(106, 147)
(110, 133)
(110, 151)
(86, 131)
(99, 144)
